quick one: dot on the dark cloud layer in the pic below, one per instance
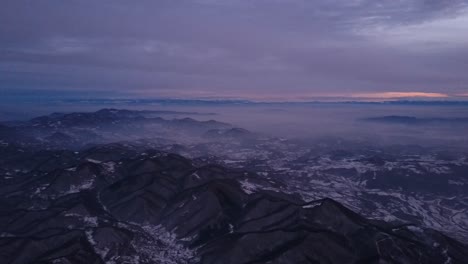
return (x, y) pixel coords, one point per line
(224, 48)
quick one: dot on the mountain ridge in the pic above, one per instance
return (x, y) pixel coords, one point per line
(209, 212)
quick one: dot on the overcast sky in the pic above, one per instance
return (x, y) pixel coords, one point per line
(251, 49)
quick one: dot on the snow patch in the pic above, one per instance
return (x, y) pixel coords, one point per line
(248, 187)
(84, 186)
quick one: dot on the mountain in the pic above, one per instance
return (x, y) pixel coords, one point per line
(229, 133)
(410, 120)
(63, 130)
(122, 186)
(155, 207)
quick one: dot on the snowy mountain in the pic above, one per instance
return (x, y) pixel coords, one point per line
(119, 186)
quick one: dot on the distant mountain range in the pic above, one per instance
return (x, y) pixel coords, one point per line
(411, 120)
(214, 102)
(103, 126)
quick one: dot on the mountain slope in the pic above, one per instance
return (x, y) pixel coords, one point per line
(160, 208)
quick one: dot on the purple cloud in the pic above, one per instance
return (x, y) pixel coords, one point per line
(250, 49)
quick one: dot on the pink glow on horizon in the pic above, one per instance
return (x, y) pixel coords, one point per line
(397, 95)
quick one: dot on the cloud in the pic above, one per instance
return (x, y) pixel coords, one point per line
(445, 32)
(234, 48)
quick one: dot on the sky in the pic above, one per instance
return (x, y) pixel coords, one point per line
(275, 50)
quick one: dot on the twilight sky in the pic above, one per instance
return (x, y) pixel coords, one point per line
(250, 49)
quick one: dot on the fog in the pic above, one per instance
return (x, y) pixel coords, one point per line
(347, 121)
(313, 121)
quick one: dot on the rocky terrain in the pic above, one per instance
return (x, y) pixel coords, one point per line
(118, 186)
